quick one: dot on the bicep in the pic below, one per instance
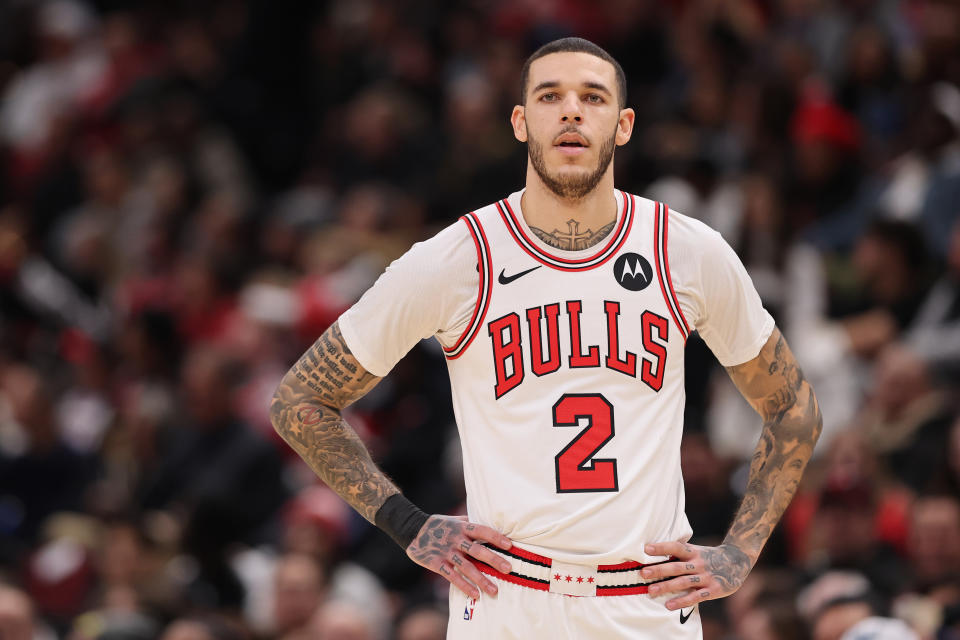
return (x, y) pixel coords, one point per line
(329, 373)
(772, 382)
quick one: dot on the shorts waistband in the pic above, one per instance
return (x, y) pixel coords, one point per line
(539, 572)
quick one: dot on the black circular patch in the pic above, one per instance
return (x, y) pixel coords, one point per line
(633, 272)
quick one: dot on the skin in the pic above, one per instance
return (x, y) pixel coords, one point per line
(775, 387)
(571, 93)
(567, 93)
(306, 411)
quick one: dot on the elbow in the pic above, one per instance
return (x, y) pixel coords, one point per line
(281, 406)
(815, 417)
(817, 426)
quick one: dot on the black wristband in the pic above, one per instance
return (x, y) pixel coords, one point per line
(400, 519)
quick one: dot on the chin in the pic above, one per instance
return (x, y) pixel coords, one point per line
(572, 171)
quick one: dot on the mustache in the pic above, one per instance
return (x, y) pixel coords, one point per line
(572, 128)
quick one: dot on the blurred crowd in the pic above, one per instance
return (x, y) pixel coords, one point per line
(191, 192)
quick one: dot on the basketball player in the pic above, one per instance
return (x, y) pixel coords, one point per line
(563, 310)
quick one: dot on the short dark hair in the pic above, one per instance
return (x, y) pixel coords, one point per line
(575, 45)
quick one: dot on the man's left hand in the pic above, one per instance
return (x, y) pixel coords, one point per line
(696, 573)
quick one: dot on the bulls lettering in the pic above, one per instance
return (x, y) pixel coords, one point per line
(539, 347)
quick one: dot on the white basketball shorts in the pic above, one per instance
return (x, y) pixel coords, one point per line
(522, 613)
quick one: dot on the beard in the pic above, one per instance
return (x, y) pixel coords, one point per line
(571, 187)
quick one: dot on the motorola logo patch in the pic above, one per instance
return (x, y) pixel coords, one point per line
(633, 272)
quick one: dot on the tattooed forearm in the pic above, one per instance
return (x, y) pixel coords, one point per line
(305, 411)
(774, 385)
(573, 239)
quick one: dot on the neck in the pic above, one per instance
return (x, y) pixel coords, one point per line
(565, 223)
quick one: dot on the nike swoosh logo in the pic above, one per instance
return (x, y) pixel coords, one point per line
(684, 618)
(504, 279)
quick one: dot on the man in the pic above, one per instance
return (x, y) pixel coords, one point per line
(561, 306)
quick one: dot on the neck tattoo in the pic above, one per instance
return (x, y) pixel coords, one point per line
(573, 239)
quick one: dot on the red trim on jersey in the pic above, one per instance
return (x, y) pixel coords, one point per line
(622, 591)
(530, 556)
(484, 286)
(512, 577)
(623, 566)
(567, 264)
(660, 278)
(666, 261)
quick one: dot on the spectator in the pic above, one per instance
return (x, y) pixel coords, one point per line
(934, 540)
(17, 617)
(422, 623)
(299, 584)
(226, 179)
(215, 472)
(45, 476)
(341, 620)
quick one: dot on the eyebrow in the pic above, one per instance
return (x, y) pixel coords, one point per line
(552, 84)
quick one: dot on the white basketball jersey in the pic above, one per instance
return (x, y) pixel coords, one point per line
(568, 387)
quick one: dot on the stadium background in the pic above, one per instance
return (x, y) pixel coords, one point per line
(191, 192)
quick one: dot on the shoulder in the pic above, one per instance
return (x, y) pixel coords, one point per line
(693, 245)
(459, 236)
(689, 240)
(452, 244)
(687, 232)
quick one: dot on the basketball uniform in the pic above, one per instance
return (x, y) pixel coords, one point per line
(566, 370)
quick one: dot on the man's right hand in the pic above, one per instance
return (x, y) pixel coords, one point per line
(446, 544)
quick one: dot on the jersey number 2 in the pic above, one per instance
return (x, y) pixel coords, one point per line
(577, 470)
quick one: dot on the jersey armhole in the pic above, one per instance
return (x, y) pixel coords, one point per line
(485, 269)
(663, 268)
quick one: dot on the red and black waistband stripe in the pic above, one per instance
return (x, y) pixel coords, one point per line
(513, 577)
(632, 590)
(482, 565)
(522, 554)
(629, 566)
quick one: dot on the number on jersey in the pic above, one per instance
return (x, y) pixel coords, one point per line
(577, 470)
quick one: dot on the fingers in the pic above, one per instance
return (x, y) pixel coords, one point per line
(483, 554)
(670, 569)
(473, 574)
(464, 575)
(680, 550)
(690, 599)
(683, 583)
(460, 582)
(487, 534)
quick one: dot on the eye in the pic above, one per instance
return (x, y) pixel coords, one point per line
(550, 97)
(594, 98)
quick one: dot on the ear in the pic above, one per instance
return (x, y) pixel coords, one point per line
(519, 121)
(625, 126)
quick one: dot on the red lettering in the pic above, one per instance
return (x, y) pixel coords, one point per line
(506, 349)
(613, 361)
(578, 359)
(537, 363)
(651, 372)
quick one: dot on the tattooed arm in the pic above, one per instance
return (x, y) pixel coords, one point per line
(306, 412)
(774, 386)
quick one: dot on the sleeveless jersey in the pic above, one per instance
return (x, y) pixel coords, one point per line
(568, 387)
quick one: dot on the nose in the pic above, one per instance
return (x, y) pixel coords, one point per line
(570, 111)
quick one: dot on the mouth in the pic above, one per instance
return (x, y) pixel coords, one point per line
(570, 148)
(570, 143)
